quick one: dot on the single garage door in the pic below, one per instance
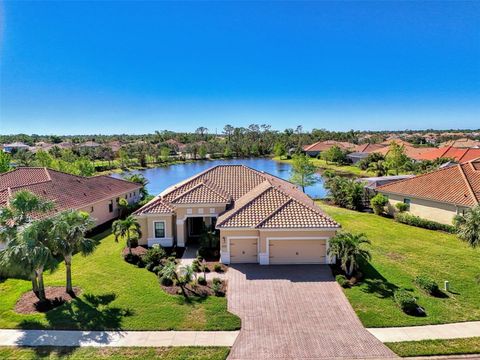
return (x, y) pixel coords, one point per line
(243, 250)
(297, 251)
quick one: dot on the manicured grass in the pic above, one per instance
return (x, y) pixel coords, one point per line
(346, 169)
(115, 295)
(436, 347)
(399, 253)
(93, 353)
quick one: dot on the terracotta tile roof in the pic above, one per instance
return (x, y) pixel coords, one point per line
(325, 145)
(459, 185)
(65, 190)
(253, 197)
(462, 143)
(411, 151)
(458, 154)
(369, 148)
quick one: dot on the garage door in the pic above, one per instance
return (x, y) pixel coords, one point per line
(297, 251)
(243, 250)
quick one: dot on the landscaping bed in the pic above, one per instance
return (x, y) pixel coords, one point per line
(56, 296)
(115, 296)
(400, 254)
(197, 289)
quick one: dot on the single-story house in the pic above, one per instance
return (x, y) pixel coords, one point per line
(97, 195)
(458, 154)
(316, 148)
(438, 195)
(258, 217)
(16, 146)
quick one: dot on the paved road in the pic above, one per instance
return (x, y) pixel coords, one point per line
(296, 312)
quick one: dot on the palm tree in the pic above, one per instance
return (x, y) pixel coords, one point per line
(128, 230)
(139, 179)
(468, 226)
(19, 212)
(348, 249)
(379, 168)
(29, 254)
(68, 237)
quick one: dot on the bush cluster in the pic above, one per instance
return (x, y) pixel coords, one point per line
(405, 301)
(342, 281)
(401, 207)
(347, 193)
(427, 284)
(413, 220)
(378, 203)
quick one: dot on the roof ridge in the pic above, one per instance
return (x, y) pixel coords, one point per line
(469, 186)
(152, 203)
(289, 200)
(247, 203)
(186, 181)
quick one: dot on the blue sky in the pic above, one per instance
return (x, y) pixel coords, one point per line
(136, 67)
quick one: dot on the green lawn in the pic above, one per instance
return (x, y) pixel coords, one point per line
(115, 295)
(436, 347)
(93, 353)
(399, 253)
(346, 169)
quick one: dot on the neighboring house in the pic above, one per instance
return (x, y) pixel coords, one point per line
(438, 195)
(16, 146)
(372, 183)
(458, 154)
(362, 151)
(97, 195)
(89, 144)
(320, 146)
(414, 153)
(260, 218)
(463, 143)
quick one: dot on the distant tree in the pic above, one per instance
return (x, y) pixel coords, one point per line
(5, 160)
(68, 237)
(396, 157)
(85, 167)
(25, 158)
(165, 153)
(468, 226)
(380, 168)
(44, 159)
(127, 229)
(335, 155)
(202, 131)
(228, 130)
(303, 171)
(279, 149)
(227, 153)
(202, 151)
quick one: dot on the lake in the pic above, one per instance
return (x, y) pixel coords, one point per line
(162, 177)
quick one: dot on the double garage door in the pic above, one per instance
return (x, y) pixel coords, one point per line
(284, 251)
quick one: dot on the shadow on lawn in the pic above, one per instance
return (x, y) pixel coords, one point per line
(376, 283)
(89, 312)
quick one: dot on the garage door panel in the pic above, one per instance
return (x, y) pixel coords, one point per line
(243, 251)
(297, 251)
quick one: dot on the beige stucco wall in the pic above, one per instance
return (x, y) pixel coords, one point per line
(146, 224)
(226, 233)
(99, 211)
(426, 209)
(199, 210)
(264, 234)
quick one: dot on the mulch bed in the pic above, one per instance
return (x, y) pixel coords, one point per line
(210, 265)
(197, 290)
(139, 251)
(56, 296)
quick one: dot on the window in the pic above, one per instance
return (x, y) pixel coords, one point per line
(110, 206)
(126, 196)
(159, 227)
(407, 202)
(118, 199)
(91, 209)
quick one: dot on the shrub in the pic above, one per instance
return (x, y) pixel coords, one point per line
(216, 281)
(401, 207)
(157, 269)
(378, 203)
(217, 268)
(342, 281)
(409, 219)
(150, 266)
(405, 301)
(172, 258)
(201, 280)
(154, 256)
(196, 266)
(347, 193)
(140, 263)
(217, 289)
(165, 281)
(426, 284)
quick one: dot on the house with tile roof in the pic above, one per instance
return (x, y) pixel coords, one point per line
(97, 195)
(438, 195)
(449, 152)
(320, 146)
(258, 217)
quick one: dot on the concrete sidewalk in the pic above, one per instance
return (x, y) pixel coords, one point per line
(116, 338)
(427, 332)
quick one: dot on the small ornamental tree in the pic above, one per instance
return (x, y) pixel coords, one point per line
(378, 203)
(303, 171)
(468, 226)
(128, 230)
(348, 249)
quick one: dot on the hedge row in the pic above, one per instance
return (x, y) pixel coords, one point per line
(409, 219)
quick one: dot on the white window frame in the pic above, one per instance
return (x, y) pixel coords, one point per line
(164, 229)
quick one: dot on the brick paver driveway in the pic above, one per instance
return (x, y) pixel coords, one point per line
(296, 312)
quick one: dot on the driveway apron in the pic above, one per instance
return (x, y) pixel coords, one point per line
(296, 312)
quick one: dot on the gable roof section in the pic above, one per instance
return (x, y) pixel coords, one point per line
(458, 154)
(327, 144)
(66, 191)
(369, 148)
(458, 185)
(254, 197)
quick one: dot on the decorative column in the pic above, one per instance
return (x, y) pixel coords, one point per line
(181, 233)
